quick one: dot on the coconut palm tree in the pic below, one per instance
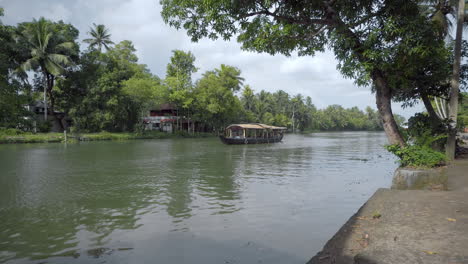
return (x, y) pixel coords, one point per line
(100, 37)
(48, 56)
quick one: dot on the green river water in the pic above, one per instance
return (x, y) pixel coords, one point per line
(184, 200)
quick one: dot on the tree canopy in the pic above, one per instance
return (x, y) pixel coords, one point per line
(110, 90)
(370, 39)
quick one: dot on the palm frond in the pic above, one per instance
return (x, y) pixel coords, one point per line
(68, 46)
(45, 41)
(30, 64)
(36, 53)
(52, 67)
(60, 59)
(100, 37)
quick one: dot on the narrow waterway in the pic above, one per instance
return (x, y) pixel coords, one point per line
(184, 200)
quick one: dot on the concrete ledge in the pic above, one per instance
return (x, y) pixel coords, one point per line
(412, 227)
(420, 179)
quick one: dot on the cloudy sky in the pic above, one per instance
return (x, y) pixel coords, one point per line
(140, 22)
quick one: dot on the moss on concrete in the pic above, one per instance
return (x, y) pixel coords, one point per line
(420, 179)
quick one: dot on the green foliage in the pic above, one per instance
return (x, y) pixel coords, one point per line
(395, 37)
(281, 109)
(51, 45)
(425, 139)
(44, 127)
(181, 65)
(105, 93)
(462, 120)
(426, 131)
(146, 93)
(10, 131)
(417, 156)
(15, 92)
(216, 104)
(31, 138)
(111, 91)
(100, 37)
(18, 136)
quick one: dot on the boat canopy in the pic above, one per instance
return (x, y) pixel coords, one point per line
(255, 126)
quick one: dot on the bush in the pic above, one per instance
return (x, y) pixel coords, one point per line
(10, 131)
(44, 127)
(426, 131)
(417, 156)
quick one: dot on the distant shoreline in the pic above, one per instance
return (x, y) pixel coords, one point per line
(60, 137)
(121, 136)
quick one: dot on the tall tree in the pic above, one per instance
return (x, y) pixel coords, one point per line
(248, 98)
(182, 65)
(179, 81)
(455, 84)
(50, 52)
(100, 37)
(365, 35)
(216, 103)
(231, 76)
(15, 90)
(107, 91)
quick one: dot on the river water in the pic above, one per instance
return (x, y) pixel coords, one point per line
(184, 200)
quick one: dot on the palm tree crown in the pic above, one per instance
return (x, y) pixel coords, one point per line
(49, 56)
(99, 37)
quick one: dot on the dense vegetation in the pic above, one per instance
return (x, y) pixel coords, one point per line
(398, 48)
(105, 88)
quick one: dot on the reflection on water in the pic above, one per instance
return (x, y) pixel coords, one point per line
(185, 200)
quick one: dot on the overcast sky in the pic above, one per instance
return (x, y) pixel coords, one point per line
(140, 22)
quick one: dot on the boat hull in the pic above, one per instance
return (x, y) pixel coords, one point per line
(241, 141)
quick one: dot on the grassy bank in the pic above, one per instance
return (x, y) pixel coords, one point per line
(23, 137)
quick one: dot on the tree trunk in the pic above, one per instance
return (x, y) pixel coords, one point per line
(46, 87)
(383, 99)
(455, 84)
(383, 93)
(292, 119)
(429, 107)
(50, 85)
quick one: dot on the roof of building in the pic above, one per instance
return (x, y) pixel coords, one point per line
(166, 107)
(256, 126)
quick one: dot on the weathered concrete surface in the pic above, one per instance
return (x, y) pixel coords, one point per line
(420, 179)
(458, 175)
(415, 226)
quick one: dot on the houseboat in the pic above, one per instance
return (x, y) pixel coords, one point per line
(252, 134)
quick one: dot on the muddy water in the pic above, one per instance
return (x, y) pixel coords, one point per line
(184, 200)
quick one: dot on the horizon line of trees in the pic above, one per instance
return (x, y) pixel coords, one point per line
(105, 88)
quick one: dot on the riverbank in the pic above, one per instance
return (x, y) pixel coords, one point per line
(409, 226)
(60, 137)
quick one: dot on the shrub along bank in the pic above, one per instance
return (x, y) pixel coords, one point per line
(18, 136)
